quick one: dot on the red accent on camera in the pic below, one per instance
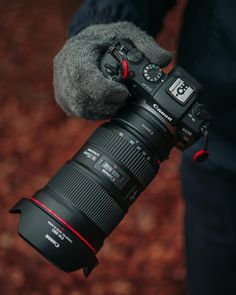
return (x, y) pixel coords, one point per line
(200, 155)
(125, 68)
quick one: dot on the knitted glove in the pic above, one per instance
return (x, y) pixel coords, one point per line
(80, 87)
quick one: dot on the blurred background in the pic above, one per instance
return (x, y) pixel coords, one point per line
(144, 255)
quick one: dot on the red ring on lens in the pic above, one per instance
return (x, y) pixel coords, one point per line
(64, 222)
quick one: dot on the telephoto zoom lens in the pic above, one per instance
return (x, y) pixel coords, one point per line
(68, 220)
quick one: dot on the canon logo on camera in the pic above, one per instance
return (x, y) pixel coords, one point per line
(160, 111)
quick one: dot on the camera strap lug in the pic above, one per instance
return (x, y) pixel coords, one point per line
(202, 154)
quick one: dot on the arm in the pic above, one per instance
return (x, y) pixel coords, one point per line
(146, 14)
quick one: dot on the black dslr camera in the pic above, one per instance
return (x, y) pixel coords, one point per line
(68, 220)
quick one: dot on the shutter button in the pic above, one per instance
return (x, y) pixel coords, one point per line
(134, 55)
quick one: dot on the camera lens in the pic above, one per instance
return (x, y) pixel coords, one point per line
(68, 220)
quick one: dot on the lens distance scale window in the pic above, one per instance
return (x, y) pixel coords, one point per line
(112, 172)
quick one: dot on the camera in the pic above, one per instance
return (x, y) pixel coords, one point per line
(68, 220)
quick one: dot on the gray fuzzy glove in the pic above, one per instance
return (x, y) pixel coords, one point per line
(80, 87)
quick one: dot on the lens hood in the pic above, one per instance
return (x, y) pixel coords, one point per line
(52, 239)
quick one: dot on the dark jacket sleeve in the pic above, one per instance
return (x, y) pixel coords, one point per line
(147, 14)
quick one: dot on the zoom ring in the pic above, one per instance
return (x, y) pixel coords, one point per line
(87, 196)
(123, 152)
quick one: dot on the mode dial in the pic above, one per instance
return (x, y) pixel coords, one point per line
(201, 112)
(152, 72)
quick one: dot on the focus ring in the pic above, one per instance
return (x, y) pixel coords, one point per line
(87, 196)
(116, 146)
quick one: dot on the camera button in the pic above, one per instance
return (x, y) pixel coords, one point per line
(112, 68)
(134, 55)
(200, 112)
(131, 74)
(152, 73)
